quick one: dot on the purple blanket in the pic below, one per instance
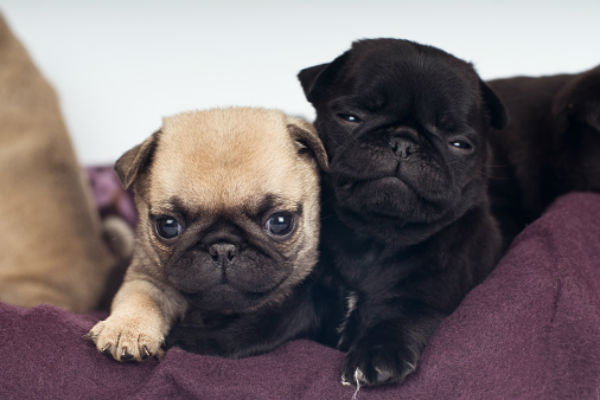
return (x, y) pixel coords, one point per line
(530, 331)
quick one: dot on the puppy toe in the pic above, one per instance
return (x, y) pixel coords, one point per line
(95, 332)
(109, 341)
(103, 339)
(127, 348)
(126, 355)
(145, 353)
(150, 346)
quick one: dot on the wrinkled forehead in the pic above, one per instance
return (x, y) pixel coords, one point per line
(422, 85)
(220, 164)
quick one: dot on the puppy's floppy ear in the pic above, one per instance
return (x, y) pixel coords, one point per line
(495, 107)
(317, 79)
(307, 140)
(579, 101)
(136, 160)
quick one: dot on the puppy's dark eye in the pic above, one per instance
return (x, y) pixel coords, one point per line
(280, 224)
(461, 145)
(167, 227)
(349, 118)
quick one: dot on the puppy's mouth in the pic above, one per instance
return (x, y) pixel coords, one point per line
(230, 283)
(387, 199)
(226, 298)
(349, 186)
(235, 287)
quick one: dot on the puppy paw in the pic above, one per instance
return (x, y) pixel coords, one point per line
(127, 338)
(373, 364)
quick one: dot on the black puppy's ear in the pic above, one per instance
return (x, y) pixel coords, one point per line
(317, 79)
(307, 140)
(308, 78)
(136, 160)
(579, 100)
(495, 107)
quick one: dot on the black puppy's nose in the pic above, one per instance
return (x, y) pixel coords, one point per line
(403, 143)
(223, 253)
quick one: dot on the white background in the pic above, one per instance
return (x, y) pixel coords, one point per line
(119, 66)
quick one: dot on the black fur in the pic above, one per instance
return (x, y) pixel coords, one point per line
(406, 220)
(550, 147)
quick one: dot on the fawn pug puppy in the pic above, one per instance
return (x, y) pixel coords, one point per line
(227, 240)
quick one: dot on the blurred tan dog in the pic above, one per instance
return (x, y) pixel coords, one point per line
(228, 201)
(50, 236)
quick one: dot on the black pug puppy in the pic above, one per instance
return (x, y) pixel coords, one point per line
(406, 214)
(551, 145)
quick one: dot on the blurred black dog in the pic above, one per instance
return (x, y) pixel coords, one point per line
(406, 218)
(551, 145)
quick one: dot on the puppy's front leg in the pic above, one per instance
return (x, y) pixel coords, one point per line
(141, 315)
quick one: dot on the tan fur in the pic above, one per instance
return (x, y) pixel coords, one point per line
(218, 161)
(50, 235)
(226, 173)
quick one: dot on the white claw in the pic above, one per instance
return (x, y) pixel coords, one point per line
(358, 376)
